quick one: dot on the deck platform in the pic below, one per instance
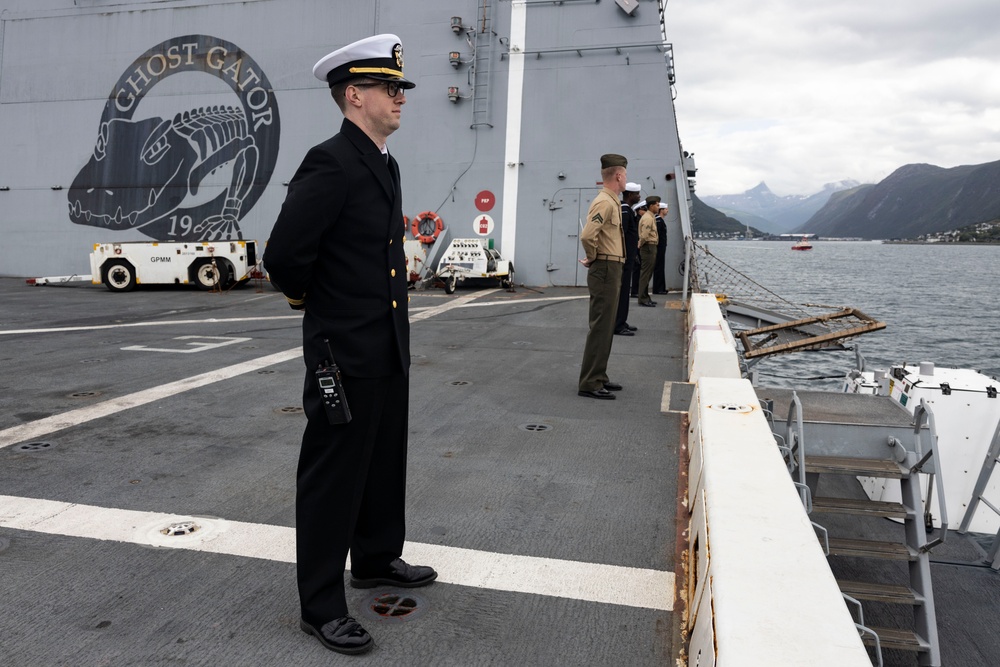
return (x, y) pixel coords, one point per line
(549, 516)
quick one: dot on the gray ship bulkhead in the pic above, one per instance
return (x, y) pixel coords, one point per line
(126, 121)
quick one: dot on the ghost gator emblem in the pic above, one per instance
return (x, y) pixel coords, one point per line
(194, 176)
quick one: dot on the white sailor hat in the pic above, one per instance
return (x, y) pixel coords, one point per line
(377, 57)
(632, 187)
(641, 204)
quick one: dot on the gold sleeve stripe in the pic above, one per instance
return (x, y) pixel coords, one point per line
(296, 302)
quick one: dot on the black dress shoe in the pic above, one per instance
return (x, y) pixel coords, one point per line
(647, 304)
(624, 332)
(659, 292)
(601, 393)
(612, 386)
(343, 635)
(630, 327)
(400, 573)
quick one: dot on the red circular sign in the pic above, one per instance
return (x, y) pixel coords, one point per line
(485, 201)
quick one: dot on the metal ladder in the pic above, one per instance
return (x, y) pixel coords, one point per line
(895, 461)
(992, 458)
(481, 72)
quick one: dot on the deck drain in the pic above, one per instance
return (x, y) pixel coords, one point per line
(179, 532)
(34, 447)
(248, 347)
(84, 394)
(458, 383)
(289, 410)
(394, 606)
(266, 372)
(535, 428)
(180, 529)
(92, 361)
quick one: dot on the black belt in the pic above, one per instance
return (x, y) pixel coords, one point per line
(614, 258)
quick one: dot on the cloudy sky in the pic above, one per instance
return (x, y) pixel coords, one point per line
(799, 93)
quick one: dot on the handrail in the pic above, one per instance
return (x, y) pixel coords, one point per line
(864, 629)
(921, 413)
(826, 537)
(683, 203)
(798, 438)
(978, 493)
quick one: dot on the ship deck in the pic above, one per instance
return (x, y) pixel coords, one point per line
(550, 517)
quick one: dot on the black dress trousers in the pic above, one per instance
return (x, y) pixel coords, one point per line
(659, 270)
(351, 491)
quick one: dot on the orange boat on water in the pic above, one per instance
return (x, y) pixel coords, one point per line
(802, 245)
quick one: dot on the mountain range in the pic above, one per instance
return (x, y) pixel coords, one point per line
(915, 199)
(709, 220)
(768, 212)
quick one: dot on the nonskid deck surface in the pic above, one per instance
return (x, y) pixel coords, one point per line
(549, 516)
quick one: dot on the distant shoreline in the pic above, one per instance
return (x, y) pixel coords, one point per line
(942, 243)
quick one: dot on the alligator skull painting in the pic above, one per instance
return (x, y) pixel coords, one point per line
(161, 171)
(194, 176)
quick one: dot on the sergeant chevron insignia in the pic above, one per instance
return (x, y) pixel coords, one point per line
(598, 218)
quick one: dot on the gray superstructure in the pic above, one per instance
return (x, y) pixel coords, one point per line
(183, 120)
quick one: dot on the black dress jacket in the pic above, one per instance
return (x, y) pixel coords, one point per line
(337, 246)
(631, 226)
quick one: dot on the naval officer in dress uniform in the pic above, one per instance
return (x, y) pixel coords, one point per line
(603, 241)
(336, 252)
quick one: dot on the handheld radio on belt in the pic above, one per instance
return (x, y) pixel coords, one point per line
(331, 390)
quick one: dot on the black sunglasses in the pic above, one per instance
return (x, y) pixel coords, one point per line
(391, 87)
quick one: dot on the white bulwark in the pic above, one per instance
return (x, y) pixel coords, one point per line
(759, 591)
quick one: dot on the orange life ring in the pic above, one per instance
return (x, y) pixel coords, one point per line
(421, 227)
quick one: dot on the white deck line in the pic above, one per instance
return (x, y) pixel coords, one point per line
(42, 427)
(158, 323)
(591, 582)
(460, 302)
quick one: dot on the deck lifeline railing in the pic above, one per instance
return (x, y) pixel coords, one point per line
(760, 589)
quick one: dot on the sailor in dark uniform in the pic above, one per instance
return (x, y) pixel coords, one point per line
(630, 225)
(336, 252)
(659, 269)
